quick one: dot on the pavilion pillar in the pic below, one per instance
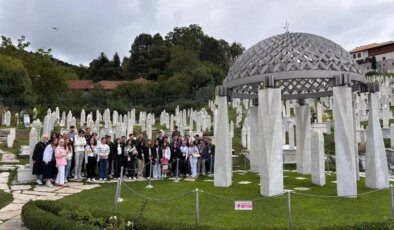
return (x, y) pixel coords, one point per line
(344, 141)
(223, 158)
(303, 138)
(376, 170)
(254, 149)
(270, 141)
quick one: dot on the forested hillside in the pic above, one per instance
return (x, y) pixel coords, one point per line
(183, 67)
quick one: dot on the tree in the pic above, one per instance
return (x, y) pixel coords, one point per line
(116, 60)
(373, 63)
(15, 84)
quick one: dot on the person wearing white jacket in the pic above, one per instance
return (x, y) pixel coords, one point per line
(48, 159)
(79, 149)
(193, 155)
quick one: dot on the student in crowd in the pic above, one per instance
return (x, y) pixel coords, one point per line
(201, 159)
(131, 156)
(79, 148)
(61, 162)
(140, 156)
(175, 155)
(166, 151)
(132, 139)
(150, 150)
(176, 132)
(103, 153)
(69, 150)
(71, 134)
(38, 163)
(193, 158)
(210, 155)
(111, 157)
(118, 157)
(183, 159)
(91, 158)
(160, 138)
(156, 160)
(49, 161)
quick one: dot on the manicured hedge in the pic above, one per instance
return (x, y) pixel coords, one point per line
(45, 215)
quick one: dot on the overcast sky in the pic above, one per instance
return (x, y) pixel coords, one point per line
(88, 27)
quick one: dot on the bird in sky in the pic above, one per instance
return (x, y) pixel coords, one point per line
(54, 28)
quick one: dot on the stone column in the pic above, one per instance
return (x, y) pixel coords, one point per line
(254, 149)
(392, 136)
(376, 169)
(356, 160)
(344, 141)
(223, 159)
(318, 166)
(270, 141)
(303, 139)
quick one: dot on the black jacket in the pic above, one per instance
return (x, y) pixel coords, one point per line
(38, 154)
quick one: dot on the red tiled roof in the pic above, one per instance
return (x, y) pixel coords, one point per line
(370, 46)
(110, 85)
(141, 81)
(80, 84)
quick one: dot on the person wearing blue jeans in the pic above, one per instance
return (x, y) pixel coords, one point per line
(102, 153)
(69, 157)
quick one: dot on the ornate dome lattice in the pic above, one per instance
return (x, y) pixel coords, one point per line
(303, 65)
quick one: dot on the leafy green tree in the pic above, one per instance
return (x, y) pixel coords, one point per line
(15, 84)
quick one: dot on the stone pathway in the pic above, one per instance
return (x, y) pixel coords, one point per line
(10, 214)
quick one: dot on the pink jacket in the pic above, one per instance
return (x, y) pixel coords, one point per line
(61, 156)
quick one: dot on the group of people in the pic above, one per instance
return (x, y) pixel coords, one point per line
(82, 154)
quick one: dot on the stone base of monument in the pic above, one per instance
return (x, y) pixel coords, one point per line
(289, 155)
(362, 161)
(24, 175)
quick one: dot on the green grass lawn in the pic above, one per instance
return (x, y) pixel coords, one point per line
(5, 198)
(307, 212)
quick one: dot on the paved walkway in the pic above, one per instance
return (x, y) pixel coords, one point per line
(10, 214)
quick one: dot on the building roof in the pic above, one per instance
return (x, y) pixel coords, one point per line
(80, 84)
(110, 85)
(370, 46)
(141, 81)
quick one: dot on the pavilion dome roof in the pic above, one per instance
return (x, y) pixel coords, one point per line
(292, 56)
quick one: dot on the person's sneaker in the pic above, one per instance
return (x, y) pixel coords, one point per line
(88, 180)
(105, 179)
(134, 178)
(75, 178)
(49, 184)
(66, 181)
(39, 182)
(101, 179)
(93, 180)
(129, 178)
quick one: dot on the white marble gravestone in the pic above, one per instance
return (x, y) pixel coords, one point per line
(318, 166)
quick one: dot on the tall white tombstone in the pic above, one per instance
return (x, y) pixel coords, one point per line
(376, 170)
(254, 139)
(47, 125)
(8, 119)
(223, 158)
(270, 141)
(83, 118)
(243, 136)
(385, 114)
(318, 170)
(33, 139)
(344, 141)
(319, 112)
(303, 139)
(392, 136)
(291, 136)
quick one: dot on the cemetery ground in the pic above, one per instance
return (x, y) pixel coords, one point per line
(173, 204)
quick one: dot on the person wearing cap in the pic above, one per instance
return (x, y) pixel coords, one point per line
(160, 138)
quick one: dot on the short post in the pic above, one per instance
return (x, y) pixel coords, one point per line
(197, 206)
(120, 185)
(177, 170)
(289, 221)
(150, 175)
(392, 200)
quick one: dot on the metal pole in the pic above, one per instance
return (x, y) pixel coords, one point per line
(392, 200)
(150, 176)
(116, 197)
(177, 170)
(120, 185)
(197, 206)
(289, 221)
